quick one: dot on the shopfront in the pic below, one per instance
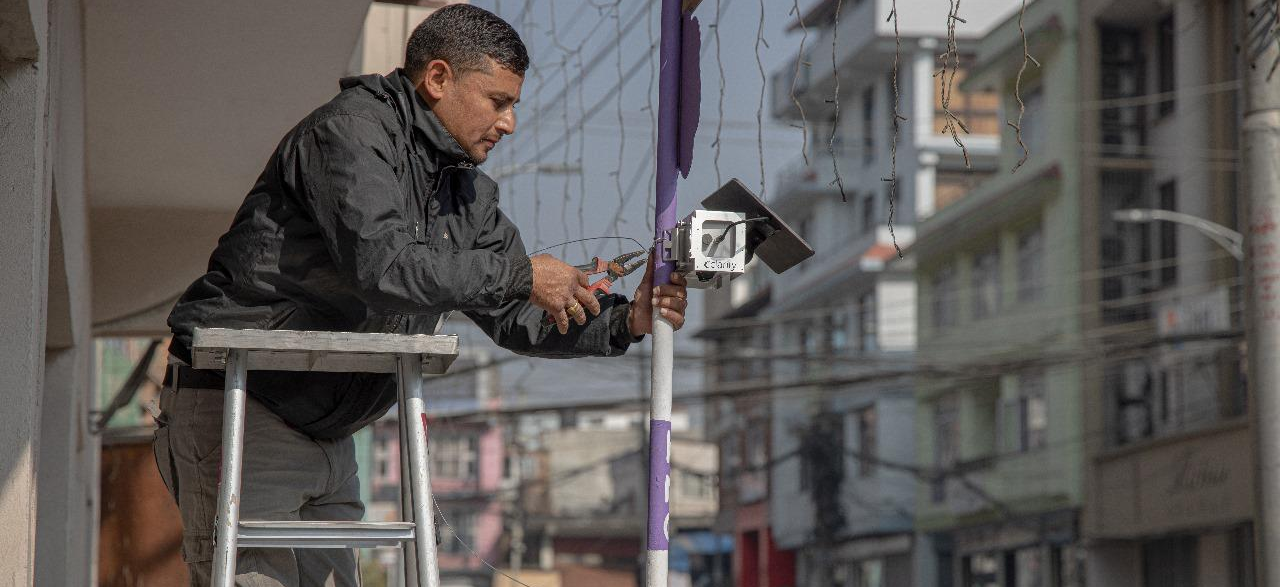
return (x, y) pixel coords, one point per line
(1174, 512)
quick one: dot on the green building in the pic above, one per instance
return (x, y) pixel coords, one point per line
(999, 418)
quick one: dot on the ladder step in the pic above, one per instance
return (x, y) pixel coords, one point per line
(288, 534)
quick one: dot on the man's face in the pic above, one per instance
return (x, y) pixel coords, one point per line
(477, 107)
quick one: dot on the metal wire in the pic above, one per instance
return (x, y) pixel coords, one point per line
(897, 121)
(835, 99)
(1017, 89)
(804, 122)
(950, 58)
(764, 81)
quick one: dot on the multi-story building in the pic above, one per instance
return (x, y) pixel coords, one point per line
(582, 503)
(841, 413)
(999, 416)
(1170, 487)
(467, 458)
(739, 423)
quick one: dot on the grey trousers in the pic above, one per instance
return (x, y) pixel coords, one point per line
(286, 476)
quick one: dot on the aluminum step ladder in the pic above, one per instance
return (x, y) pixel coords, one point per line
(409, 356)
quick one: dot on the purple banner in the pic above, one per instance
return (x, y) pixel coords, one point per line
(659, 484)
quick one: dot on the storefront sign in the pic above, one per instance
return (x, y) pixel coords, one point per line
(1195, 314)
(1203, 480)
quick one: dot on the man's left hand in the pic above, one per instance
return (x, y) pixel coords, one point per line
(670, 300)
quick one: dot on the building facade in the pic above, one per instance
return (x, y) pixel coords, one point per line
(999, 418)
(583, 500)
(842, 466)
(1170, 491)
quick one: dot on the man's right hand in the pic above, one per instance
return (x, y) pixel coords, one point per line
(561, 290)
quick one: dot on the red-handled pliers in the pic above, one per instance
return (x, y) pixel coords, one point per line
(614, 269)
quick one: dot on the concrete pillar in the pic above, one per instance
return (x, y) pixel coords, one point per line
(67, 477)
(24, 240)
(48, 479)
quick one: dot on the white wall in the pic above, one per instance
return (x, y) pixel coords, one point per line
(386, 30)
(928, 18)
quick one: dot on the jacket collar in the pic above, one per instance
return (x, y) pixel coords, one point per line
(414, 113)
(427, 123)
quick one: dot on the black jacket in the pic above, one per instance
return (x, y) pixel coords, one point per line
(369, 217)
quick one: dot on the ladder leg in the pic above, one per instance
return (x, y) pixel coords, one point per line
(424, 538)
(228, 521)
(408, 557)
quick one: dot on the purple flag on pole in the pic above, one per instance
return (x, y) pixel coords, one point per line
(690, 89)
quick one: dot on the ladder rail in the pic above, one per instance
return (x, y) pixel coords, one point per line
(413, 410)
(228, 517)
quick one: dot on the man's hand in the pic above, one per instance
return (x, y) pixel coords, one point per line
(562, 291)
(669, 300)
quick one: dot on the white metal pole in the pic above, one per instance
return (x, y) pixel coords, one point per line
(1260, 180)
(659, 520)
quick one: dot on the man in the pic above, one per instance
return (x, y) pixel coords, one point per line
(370, 217)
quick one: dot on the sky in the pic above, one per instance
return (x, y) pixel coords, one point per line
(579, 60)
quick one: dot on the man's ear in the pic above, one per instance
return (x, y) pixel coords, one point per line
(436, 78)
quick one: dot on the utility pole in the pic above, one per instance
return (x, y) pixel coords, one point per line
(1260, 181)
(663, 349)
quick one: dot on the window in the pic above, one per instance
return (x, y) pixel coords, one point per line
(460, 528)
(1033, 412)
(1142, 257)
(865, 451)
(946, 440)
(730, 454)
(694, 485)
(1122, 76)
(867, 325)
(1167, 65)
(809, 337)
(454, 456)
(1034, 120)
(1173, 393)
(951, 186)
(868, 125)
(1168, 236)
(868, 212)
(1126, 248)
(839, 329)
(986, 283)
(1031, 265)
(945, 303)
(979, 111)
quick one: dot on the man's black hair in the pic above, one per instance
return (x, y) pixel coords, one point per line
(462, 35)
